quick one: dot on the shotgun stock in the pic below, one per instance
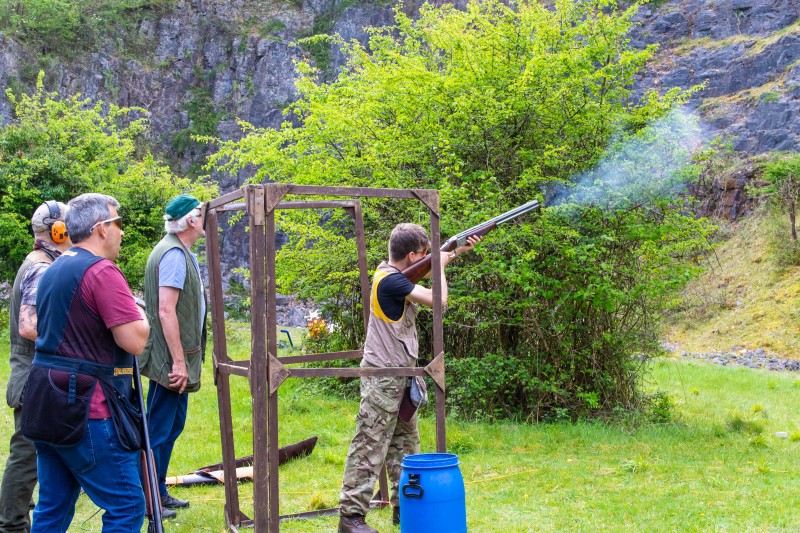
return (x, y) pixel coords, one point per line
(420, 269)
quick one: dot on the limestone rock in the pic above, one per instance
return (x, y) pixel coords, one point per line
(242, 55)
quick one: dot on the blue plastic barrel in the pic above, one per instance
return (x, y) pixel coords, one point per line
(432, 494)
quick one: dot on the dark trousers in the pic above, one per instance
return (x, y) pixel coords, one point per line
(166, 417)
(19, 480)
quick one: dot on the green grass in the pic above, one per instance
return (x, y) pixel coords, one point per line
(718, 467)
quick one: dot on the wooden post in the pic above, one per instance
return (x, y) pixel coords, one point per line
(265, 370)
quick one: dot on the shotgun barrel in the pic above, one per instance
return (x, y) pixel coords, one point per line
(152, 495)
(420, 269)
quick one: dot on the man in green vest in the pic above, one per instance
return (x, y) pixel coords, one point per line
(176, 309)
(19, 478)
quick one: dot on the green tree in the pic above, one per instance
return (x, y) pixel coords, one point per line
(58, 148)
(493, 106)
(784, 175)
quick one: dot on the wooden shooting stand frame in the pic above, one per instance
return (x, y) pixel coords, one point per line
(266, 371)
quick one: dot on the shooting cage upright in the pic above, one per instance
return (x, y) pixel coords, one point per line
(266, 371)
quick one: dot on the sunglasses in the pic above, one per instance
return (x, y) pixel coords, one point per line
(117, 221)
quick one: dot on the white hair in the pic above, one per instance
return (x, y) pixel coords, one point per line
(179, 225)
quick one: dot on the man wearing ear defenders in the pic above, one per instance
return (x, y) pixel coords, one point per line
(176, 308)
(19, 478)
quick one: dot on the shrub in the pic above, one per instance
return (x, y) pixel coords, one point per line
(490, 387)
(57, 148)
(783, 174)
(4, 318)
(494, 106)
(67, 27)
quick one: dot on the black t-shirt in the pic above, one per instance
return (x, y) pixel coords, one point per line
(392, 292)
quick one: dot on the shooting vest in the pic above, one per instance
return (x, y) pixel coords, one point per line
(69, 329)
(22, 349)
(74, 348)
(390, 343)
(156, 361)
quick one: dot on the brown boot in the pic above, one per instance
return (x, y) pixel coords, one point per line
(396, 516)
(354, 524)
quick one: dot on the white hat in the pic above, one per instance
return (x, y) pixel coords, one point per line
(46, 214)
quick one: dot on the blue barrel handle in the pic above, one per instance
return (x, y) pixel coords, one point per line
(413, 484)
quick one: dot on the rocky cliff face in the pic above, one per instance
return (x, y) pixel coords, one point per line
(235, 57)
(747, 54)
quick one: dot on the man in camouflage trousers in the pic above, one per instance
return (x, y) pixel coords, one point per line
(382, 436)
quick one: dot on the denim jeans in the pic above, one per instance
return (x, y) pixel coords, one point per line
(166, 418)
(108, 475)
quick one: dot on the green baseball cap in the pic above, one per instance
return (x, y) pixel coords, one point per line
(180, 206)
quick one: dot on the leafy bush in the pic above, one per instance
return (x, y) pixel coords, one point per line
(661, 408)
(203, 117)
(495, 386)
(494, 106)
(320, 340)
(59, 148)
(4, 318)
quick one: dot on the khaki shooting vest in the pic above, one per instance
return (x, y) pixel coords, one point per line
(156, 361)
(390, 343)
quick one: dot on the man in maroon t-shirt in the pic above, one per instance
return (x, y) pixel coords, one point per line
(88, 319)
(105, 292)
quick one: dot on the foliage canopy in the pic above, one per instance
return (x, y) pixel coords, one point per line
(494, 106)
(59, 148)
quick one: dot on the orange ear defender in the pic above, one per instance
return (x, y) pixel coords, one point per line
(58, 230)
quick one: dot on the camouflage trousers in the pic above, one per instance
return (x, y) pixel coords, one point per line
(381, 437)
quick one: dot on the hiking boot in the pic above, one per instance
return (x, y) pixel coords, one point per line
(168, 514)
(168, 501)
(354, 524)
(396, 515)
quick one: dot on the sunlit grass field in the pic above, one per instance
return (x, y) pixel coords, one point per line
(718, 467)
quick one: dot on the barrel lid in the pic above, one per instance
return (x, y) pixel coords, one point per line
(430, 460)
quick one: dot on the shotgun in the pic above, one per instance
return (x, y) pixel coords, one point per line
(420, 269)
(151, 495)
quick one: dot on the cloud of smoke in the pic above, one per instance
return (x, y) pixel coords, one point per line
(654, 163)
